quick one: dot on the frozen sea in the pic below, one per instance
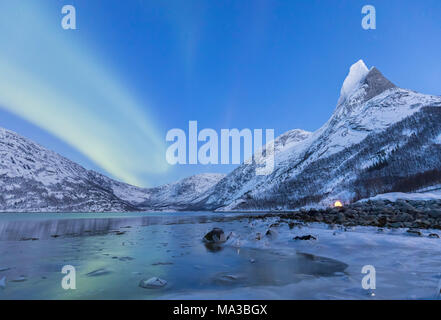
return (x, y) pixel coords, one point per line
(112, 253)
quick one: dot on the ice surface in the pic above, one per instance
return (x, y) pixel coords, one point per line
(169, 246)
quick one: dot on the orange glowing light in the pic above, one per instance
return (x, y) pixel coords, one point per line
(338, 204)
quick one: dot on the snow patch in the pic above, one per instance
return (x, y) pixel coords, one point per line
(437, 139)
(408, 132)
(416, 196)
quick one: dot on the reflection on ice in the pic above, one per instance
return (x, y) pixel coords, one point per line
(24, 227)
(113, 254)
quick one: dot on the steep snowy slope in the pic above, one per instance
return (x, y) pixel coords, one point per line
(34, 179)
(244, 178)
(373, 122)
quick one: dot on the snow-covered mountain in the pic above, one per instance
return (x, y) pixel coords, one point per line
(180, 195)
(34, 179)
(244, 179)
(380, 138)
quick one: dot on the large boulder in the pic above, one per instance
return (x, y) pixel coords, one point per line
(215, 236)
(414, 232)
(434, 213)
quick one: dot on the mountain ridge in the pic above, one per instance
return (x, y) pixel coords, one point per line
(380, 138)
(35, 179)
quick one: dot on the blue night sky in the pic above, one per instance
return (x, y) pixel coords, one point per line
(106, 94)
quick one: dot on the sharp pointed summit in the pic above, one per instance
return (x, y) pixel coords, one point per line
(357, 73)
(376, 84)
(372, 81)
(378, 139)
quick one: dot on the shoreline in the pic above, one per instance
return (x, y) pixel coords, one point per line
(411, 214)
